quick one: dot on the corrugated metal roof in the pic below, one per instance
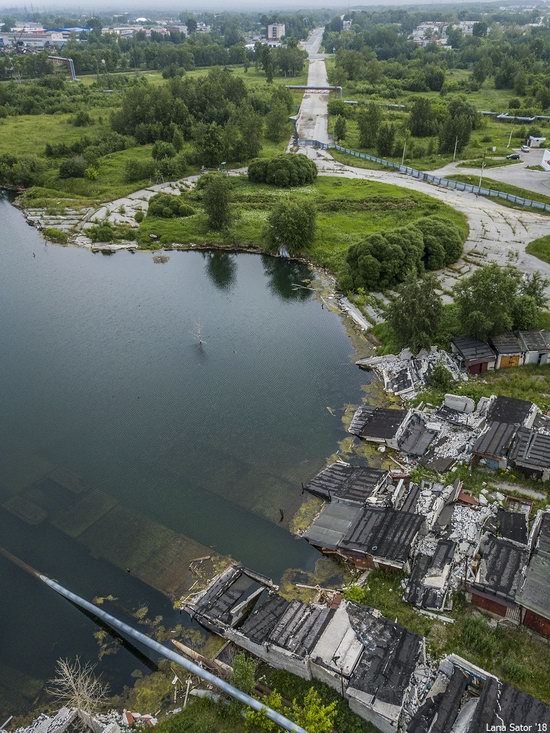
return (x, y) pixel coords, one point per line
(346, 482)
(500, 567)
(331, 525)
(383, 532)
(531, 449)
(507, 343)
(535, 340)
(495, 440)
(474, 351)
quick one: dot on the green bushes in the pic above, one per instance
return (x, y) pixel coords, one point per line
(443, 242)
(19, 170)
(74, 167)
(106, 232)
(283, 170)
(291, 225)
(168, 207)
(55, 235)
(383, 260)
(164, 169)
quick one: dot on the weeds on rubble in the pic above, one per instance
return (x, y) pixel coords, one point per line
(512, 653)
(526, 383)
(292, 687)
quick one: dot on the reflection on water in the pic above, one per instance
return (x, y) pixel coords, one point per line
(221, 268)
(127, 452)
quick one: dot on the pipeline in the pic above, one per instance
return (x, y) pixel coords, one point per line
(160, 649)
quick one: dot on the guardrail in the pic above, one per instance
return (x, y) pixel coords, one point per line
(430, 178)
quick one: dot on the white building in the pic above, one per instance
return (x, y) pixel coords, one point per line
(275, 31)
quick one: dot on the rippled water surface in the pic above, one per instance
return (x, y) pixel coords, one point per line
(127, 449)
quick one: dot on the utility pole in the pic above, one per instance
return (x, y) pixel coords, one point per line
(404, 151)
(482, 169)
(510, 138)
(456, 145)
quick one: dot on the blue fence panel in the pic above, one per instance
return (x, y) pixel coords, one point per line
(422, 176)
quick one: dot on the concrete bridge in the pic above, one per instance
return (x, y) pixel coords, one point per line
(311, 88)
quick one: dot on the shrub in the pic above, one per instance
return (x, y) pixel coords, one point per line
(283, 170)
(55, 235)
(291, 225)
(163, 150)
(19, 170)
(139, 216)
(82, 119)
(443, 241)
(382, 259)
(138, 170)
(168, 207)
(74, 167)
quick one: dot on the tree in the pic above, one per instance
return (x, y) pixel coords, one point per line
(257, 721)
(480, 29)
(312, 714)
(369, 121)
(441, 378)
(217, 201)
(276, 123)
(244, 673)
(421, 118)
(283, 170)
(492, 300)
(76, 686)
(461, 118)
(535, 286)
(74, 167)
(415, 314)
(210, 144)
(339, 128)
(385, 139)
(443, 242)
(177, 139)
(163, 150)
(291, 225)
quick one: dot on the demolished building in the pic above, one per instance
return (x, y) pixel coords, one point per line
(379, 667)
(369, 660)
(468, 699)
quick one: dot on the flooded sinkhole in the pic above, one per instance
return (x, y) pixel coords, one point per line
(128, 449)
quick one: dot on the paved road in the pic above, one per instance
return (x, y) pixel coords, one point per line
(313, 117)
(516, 175)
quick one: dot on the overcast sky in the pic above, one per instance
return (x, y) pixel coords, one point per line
(143, 5)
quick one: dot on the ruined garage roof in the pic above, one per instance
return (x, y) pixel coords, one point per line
(300, 627)
(332, 524)
(509, 410)
(346, 482)
(500, 704)
(474, 351)
(377, 422)
(427, 587)
(507, 343)
(383, 532)
(499, 570)
(439, 711)
(268, 610)
(391, 653)
(231, 589)
(531, 449)
(512, 526)
(495, 440)
(535, 593)
(535, 340)
(416, 437)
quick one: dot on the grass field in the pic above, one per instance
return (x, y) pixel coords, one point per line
(347, 211)
(540, 248)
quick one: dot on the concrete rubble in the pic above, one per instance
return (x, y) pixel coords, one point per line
(405, 375)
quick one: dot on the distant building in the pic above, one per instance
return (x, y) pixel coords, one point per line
(275, 31)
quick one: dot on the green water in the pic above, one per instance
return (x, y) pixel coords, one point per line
(123, 441)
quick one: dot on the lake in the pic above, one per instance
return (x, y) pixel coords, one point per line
(128, 449)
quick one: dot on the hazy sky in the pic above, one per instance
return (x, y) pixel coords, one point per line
(143, 5)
